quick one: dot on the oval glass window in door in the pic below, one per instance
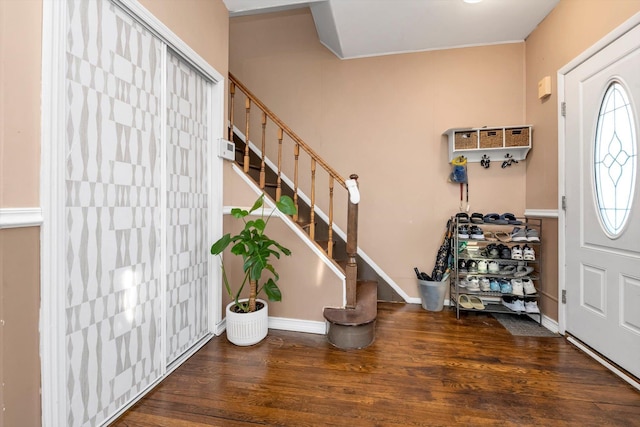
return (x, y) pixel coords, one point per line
(615, 159)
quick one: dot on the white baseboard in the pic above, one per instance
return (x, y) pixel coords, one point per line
(298, 325)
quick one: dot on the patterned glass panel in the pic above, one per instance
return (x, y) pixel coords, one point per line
(187, 177)
(112, 207)
(615, 159)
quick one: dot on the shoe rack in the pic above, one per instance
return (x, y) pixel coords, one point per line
(486, 277)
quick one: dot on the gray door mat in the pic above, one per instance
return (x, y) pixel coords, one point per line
(523, 326)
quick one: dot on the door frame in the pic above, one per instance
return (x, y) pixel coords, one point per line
(52, 190)
(562, 271)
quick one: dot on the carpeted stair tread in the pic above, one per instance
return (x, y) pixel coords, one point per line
(365, 311)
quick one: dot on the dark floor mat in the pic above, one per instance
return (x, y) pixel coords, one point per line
(523, 326)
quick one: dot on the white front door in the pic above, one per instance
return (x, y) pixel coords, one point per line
(602, 232)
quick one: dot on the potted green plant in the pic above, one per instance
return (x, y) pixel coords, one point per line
(247, 318)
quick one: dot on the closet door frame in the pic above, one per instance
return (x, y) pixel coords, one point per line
(52, 193)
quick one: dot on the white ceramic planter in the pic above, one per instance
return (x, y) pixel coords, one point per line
(247, 328)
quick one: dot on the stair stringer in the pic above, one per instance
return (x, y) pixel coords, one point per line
(337, 230)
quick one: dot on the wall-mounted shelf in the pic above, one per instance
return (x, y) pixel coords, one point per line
(494, 142)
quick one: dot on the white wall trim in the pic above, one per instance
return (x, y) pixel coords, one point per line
(52, 248)
(325, 218)
(541, 213)
(20, 217)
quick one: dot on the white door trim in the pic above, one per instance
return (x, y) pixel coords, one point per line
(52, 190)
(562, 72)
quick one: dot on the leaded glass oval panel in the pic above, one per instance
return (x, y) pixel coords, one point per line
(615, 159)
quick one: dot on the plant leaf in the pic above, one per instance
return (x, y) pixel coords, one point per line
(221, 244)
(258, 203)
(239, 213)
(286, 205)
(272, 291)
(259, 224)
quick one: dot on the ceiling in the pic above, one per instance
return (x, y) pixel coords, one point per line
(361, 28)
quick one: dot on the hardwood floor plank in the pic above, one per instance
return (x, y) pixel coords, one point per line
(424, 369)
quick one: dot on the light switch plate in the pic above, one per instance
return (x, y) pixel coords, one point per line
(227, 149)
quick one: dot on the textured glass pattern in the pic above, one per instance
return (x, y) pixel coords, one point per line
(112, 211)
(187, 196)
(615, 159)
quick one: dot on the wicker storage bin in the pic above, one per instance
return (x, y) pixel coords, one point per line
(491, 138)
(517, 137)
(466, 140)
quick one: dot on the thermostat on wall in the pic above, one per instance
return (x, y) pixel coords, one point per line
(227, 149)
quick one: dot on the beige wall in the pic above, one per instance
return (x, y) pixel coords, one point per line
(572, 27)
(203, 24)
(306, 282)
(20, 52)
(383, 118)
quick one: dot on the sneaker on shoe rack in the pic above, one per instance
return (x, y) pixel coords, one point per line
(513, 304)
(523, 270)
(485, 284)
(462, 265)
(528, 286)
(505, 252)
(505, 286)
(462, 283)
(531, 307)
(508, 270)
(517, 287)
(492, 251)
(473, 283)
(476, 233)
(532, 235)
(463, 232)
(519, 305)
(494, 267)
(519, 234)
(528, 254)
(516, 253)
(472, 266)
(482, 266)
(494, 285)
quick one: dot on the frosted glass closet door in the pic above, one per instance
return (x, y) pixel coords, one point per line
(112, 211)
(187, 175)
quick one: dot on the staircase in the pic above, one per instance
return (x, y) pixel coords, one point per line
(351, 326)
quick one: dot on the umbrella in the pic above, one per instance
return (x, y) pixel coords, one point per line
(443, 258)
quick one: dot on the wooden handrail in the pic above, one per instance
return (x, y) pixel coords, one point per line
(351, 270)
(288, 131)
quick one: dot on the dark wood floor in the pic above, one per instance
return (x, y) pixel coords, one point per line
(425, 369)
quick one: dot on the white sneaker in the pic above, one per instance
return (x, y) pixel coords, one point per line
(485, 284)
(517, 287)
(494, 267)
(516, 253)
(531, 307)
(519, 305)
(473, 284)
(482, 266)
(528, 254)
(528, 286)
(513, 304)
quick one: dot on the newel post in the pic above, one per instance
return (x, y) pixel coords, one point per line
(352, 249)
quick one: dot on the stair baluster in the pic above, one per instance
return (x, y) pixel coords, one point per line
(264, 146)
(279, 180)
(312, 216)
(296, 154)
(247, 107)
(330, 242)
